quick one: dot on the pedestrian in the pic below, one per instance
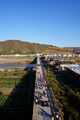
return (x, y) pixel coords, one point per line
(44, 93)
(36, 100)
(52, 118)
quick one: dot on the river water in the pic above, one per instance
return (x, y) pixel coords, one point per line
(4, 66)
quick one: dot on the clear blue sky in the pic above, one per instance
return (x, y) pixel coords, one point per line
(55, 22)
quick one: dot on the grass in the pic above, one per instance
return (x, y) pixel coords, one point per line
(3, 98)
(8, 80)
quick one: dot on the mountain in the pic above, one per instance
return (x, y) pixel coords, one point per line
(17, 46)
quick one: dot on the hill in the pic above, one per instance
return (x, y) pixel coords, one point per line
(17, 46)
(73, 49)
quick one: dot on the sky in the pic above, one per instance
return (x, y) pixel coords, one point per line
(55, 22)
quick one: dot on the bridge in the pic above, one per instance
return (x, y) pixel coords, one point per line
(44, 106)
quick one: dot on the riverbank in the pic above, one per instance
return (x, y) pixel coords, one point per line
(16, 60)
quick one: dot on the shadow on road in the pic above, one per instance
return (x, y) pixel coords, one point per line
(19, 104)
(45, 114)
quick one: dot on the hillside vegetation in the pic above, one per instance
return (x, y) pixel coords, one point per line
(66, 89)
(17, 46)
(72, 49)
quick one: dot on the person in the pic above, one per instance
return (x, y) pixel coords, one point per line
(36, 101)
(52, 118)
(39, 96)
(36, 85)
(44, 93)
(46, 103)
(53, 115)
(57, 117)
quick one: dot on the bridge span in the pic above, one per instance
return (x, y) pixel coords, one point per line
(44, 107)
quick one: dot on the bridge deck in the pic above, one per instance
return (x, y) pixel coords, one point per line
(41, 112)
(44, 104)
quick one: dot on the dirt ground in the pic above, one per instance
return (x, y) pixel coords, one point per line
(14, 60)
(6, 91)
